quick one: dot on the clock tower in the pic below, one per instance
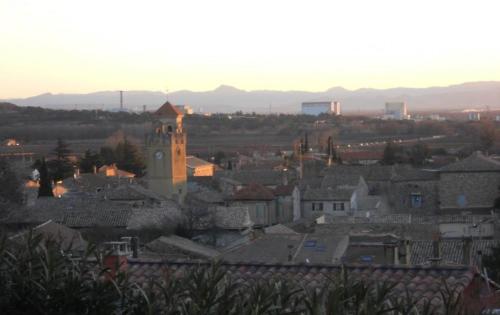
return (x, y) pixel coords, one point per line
(166, 154)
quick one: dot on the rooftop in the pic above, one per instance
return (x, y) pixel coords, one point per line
(418, 282)
(477, 162)
(168, 110)
(254, 192)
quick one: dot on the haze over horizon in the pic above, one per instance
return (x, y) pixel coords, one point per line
(66, 47)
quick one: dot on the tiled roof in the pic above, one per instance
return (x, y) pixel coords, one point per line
(477, 162)
(193, 162)
(206, 195)
(254, 191)
(412, 174)
(284, 190)
(232, 218)
(163, 245)
(94, 213)
(263, 177)
(69, 239)
(361, 155)
(282, 248)
(328, 194)
(419, 282)
(409, 219)
(168, 110)
(335, 180)
(279, 229)
(451, 251)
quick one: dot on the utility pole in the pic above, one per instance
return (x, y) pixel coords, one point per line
(121, 101)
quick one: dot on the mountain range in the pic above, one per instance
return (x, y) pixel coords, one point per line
(478, 95)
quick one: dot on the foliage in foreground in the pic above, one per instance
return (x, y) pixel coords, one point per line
(36, 278)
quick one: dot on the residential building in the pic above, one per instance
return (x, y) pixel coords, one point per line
(335, 197)
(414, 191)
(198, 167)
(260, 202)
(471, 184)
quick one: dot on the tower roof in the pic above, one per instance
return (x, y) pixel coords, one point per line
(168, 110)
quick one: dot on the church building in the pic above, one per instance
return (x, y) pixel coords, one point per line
(166, 154)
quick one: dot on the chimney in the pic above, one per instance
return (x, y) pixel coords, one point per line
(285, 177)
(396, 254)
(436, 249)
(466, 251)
(407, 243)
(115, 257)
(134, 243)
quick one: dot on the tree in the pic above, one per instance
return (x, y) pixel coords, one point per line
(419, 153)
(219, 156)
(389, 157)
(61, 167)
(487, 135)
(10, 191)
(492, 263)
(127, 157)
(45, 188)
(89, 161)
(107, 155)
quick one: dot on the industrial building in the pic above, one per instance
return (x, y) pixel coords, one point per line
(396, 110)
(317, 108)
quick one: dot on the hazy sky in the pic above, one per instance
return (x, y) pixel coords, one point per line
(83, 46)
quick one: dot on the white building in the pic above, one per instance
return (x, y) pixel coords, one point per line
(317, 108)
(474, 116)
(396, 110)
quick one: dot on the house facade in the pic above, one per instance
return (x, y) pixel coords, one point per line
(471, 184)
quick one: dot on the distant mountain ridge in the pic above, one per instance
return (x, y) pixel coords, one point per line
(230, 99)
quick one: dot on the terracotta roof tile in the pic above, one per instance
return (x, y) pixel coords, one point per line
(420, 281)
(254, 192)
(168, 110)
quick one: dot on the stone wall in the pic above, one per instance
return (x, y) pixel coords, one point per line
(476, 189)
(400, 196)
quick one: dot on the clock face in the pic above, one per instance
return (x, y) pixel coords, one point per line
(159, 155)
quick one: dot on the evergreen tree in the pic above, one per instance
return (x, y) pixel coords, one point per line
(89, 161)
(389, 157)
(127, 157)
(45, 189)
(60, 167)
(419, 153)
(487, 135)
(107, 155)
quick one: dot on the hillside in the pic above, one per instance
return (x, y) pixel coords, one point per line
(230, 99)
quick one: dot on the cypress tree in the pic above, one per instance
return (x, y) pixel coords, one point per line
(45, 189)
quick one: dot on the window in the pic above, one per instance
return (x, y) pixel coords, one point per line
(338, 206)
(259, 211)
(416, 200)
(462, 201)
(317, 206)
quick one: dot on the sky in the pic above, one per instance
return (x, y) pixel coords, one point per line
(94, 45)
